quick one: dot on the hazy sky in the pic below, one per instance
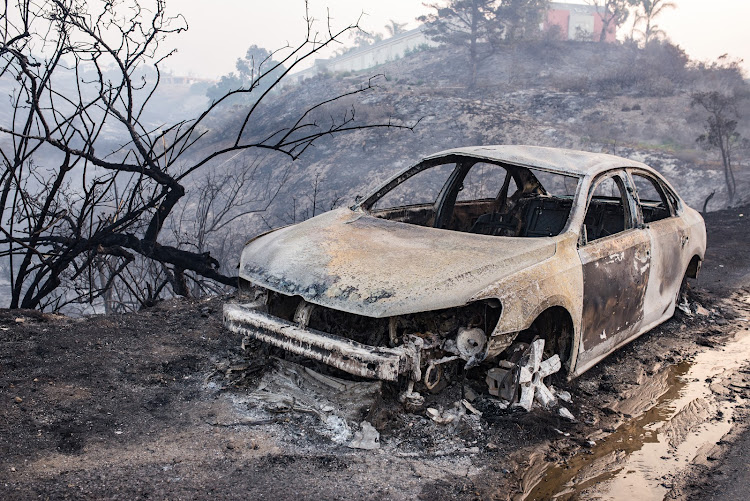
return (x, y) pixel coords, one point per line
(222, 30)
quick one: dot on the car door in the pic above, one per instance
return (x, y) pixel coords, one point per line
(668, 236)
(614, 252)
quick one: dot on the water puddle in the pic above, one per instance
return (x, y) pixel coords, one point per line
(638, 460)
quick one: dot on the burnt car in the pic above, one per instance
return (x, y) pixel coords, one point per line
(467, 254)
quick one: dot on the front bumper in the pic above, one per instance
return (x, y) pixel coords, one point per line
(350, 356)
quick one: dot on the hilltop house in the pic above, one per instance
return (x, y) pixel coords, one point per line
(577, 22)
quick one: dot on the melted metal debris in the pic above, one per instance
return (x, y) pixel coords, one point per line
(522, 384)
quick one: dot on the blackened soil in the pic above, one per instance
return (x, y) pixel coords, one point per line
(727, 264)
(149, 405)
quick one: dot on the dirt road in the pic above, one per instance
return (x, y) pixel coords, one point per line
(165, 404)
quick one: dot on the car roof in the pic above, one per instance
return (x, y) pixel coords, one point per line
(560, 160)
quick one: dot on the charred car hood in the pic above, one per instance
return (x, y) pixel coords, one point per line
(361, 264)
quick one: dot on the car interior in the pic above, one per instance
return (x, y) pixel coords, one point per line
(604, 217)
(496, 199)
(606, 214)
(652, 197)
(519, 206)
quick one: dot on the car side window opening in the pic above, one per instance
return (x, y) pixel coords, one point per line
(607, 212)
(655, 205)
(522, 208)
(545, 212)
(483, 198)
(484, 181)
(557, 185)
(481, 189)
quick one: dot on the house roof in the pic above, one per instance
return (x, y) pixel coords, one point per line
(571, 162)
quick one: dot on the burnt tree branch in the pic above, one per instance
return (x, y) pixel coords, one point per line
(71, 197)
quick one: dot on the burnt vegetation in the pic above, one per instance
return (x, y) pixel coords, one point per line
(88, 184)
(104, 205)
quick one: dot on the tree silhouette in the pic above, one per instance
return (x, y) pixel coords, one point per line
(85, 177)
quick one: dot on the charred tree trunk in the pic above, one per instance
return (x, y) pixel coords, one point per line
(705, 202)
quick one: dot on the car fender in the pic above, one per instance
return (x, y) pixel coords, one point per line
(557, 281)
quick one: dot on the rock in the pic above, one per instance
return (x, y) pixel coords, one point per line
(367, 438)
(440, 418)
(700, 310)
(564, 412)
(471, 408)
(18, 400)
(684, 307)
(564, 396)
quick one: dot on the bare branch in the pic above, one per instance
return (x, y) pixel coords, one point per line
(83, 215)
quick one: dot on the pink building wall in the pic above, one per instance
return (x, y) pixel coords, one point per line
(610, 37)
(561, 18)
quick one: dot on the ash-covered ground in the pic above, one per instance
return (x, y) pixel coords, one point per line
(166, 404)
